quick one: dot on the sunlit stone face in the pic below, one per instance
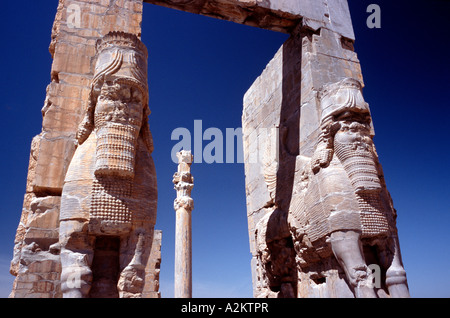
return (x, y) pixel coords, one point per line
(119, 103)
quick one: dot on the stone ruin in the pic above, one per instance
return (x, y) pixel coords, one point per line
(321, 221)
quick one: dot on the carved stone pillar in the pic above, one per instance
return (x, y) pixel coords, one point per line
(183, 206)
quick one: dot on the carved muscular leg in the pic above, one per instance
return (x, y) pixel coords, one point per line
(347, 249)
(134, 253)
(395, 273)
(76, 258)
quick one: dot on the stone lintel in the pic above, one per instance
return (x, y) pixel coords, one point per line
(277, 15)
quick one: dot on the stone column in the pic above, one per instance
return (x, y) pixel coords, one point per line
(183, 206)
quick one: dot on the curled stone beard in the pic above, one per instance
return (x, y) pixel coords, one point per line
(117, 134)
(116, 149)
(117, 128)
(359, 161)
(114, 172)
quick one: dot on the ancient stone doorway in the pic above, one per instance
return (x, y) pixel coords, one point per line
(309, 93)
(209, 248)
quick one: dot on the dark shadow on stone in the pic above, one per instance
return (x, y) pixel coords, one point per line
(288, 150)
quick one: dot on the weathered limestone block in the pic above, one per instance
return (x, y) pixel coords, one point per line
(44, 215)
(39, 274)
(36, 261)
(39, 225)
(152, 270)
(53, 158)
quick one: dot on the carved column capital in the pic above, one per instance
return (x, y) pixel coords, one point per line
(184, 202)
(183, 181)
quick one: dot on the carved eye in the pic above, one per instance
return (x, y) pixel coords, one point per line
(125, 92)
(136, 95)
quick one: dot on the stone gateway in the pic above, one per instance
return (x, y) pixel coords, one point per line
(321, 221)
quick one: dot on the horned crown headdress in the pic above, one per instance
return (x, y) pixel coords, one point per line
(121, 57)
(345, 95)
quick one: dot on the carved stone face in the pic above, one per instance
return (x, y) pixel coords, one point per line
(118, 118)
(119, 103)
(353, 146)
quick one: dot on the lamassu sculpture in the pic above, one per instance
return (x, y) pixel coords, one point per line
(108, 204)
(341, 221)
(344, 206)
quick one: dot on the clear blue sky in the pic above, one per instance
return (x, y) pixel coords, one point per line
(199, 69)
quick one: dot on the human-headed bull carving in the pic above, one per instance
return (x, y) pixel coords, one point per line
(341, 220)
(343, 209)
(108, 204)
